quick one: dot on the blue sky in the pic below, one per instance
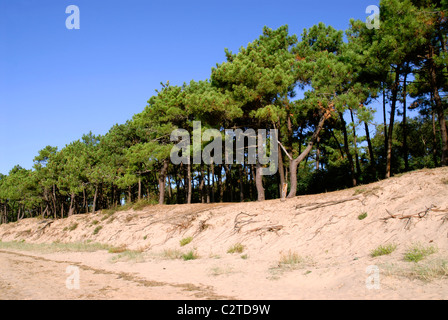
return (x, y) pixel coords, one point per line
(58, 84)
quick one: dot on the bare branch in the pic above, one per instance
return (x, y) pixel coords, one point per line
(281, 145)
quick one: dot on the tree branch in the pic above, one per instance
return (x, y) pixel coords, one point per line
(286, 152)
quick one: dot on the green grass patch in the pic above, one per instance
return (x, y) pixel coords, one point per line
(190, 255)
(362, 216)
(236, 248)
(185, 241)
(143, 203)
(129, 256)
(429, 271)
(97, 229)
(383, 250)
(71, 227)
(55, 246)
(418, 252)
(107, 213)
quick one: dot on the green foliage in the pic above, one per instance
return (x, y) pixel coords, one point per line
(236, 248)
(97, 229)
(383, 250)
(185, 241)
(72, 227)
(418, 252)
(279, 80)
(190, 255)
(55, 246)
(143, 203)
(128, 255)
(362, 216)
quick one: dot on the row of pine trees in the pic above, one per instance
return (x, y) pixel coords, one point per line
(320, 92)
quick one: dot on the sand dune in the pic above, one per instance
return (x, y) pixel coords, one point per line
(308, 247)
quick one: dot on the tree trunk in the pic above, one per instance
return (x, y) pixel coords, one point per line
(139, 188)
(94, 199)
(231, 185)
(240, 171)
(281, 170)
(5, 216)
(252, 181)
(294, 163)
(385, 121)
(177, 180)
(404, 125)
(72, 200)
(170, 190)
(220, 187)
(227, 172)
(443, 130)
(355, 144)
(100, 201)
(129, 194)
(189, 189)
(434, 138)
(54, 202)
(6, 212)
(259, 182)
(201, 184)
(439, 107)
(347, 150)
(84, 201)
(371, 155)
(391, 123)
(162, 177)
(112, 203)
(45, 211)
(207, 186)
(213, 182)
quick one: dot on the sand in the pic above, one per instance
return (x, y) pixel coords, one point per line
(328, 245)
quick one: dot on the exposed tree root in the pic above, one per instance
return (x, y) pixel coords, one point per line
(419, 215)
(317, 205)
(242, 219)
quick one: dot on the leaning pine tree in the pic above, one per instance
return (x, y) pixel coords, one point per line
(255, 80)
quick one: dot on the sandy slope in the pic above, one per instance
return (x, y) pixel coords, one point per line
(324, 230)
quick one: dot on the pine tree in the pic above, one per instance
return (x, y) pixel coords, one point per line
(256, 80)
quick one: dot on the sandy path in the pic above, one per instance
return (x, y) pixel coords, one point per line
(33, 277)
(37, 276)
(324, 230)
